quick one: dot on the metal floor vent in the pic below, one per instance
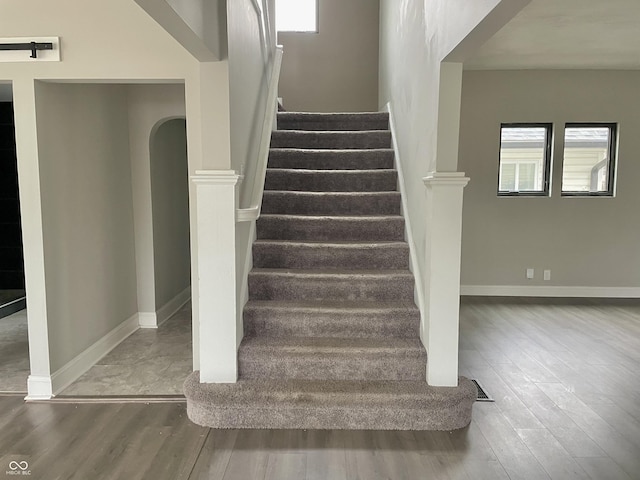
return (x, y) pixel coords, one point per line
(482, 395)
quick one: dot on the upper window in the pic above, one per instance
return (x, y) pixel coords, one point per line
(589, 159)
(525, 159)
(297, 15)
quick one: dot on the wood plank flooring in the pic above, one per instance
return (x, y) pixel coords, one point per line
(564, 376)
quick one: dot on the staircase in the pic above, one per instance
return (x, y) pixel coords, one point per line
(331, 327)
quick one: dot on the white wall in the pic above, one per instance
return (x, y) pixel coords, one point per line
(415, 37)
(251, 49)
(87, 214)
(585, 242)
(336, 69)
(170, 204)
(149, 105)
(141, 52)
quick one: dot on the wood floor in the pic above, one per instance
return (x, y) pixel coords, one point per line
(565, 379)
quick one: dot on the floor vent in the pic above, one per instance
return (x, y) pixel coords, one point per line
(482, 395)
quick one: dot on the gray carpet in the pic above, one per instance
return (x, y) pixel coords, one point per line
(331, 328)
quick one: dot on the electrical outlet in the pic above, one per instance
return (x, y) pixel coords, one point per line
(547, 274)
(530, 273)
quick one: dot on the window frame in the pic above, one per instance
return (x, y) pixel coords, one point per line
(317, 21)
(611, 149)
(548, 148)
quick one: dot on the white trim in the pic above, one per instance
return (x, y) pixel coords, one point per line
(39, 388)
(243, 297)
(247, 214)
(544, 291)
(147, 320)
(446, 179)
(74, 369)
(172, 306)
(215, 177)
(413, 252)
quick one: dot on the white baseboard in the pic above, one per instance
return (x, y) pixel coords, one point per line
(39, 388)
(155, 319)
(413, 258)
(147, 320)
(551, 291)
(74, 369)
(172, 306)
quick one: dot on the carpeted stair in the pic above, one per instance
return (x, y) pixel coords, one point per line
(331, 328)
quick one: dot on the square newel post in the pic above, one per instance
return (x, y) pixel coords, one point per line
(215, 275)
(442, 275)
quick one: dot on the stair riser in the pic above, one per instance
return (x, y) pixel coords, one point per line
(318, 256)
(382, 181)
(327, 160)
(298, 203)
(336, 366)
(267, 286)
(347, 125)
(286, 322)
(346, 121)
(323, 229)
(329, 417)
(330, 140)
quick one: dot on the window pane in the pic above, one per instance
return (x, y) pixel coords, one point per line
(296, 16)
(508, 177)
(585, 167)
(523, 158)
(527, 176)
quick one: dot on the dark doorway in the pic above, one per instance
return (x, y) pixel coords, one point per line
(12, 289)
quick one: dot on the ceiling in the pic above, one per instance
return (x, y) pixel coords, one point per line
(574, 34)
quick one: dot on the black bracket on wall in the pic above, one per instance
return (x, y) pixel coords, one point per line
(33, 46)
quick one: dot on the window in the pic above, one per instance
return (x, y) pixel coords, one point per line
(296, 15)
(525, 159)
(589, 159)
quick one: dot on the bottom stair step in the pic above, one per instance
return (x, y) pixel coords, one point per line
(332, 358)
(340, 405)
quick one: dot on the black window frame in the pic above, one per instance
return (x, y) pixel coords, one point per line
(548, 148)
(613, 158)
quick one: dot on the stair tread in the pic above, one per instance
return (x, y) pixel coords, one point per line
(333, 305)
(402, 393)
(335, 243)
(331, 272)
(331, 151)
(333, 171)
(327, 193)
(327, 345)
(294, 216)
(332, 132)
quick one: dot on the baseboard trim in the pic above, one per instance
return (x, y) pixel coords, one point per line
(172, 306)
(551, 291)
(39, 388)
(76, 367)
(413, 256)
(147, 320)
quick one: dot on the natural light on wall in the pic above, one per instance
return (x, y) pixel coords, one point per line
(296, 15)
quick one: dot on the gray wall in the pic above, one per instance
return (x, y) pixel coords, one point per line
(583, 241)
(6, 94)
(170, 200)
(335, 69)
(87, 213)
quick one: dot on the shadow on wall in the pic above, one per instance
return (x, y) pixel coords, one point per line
(170, 209)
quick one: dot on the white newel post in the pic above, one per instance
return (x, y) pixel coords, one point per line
(215, 289)
(442, 275)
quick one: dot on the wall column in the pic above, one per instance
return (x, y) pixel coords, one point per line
(214, 287)
(442, 275)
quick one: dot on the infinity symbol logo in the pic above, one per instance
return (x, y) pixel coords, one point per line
(13, 465)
